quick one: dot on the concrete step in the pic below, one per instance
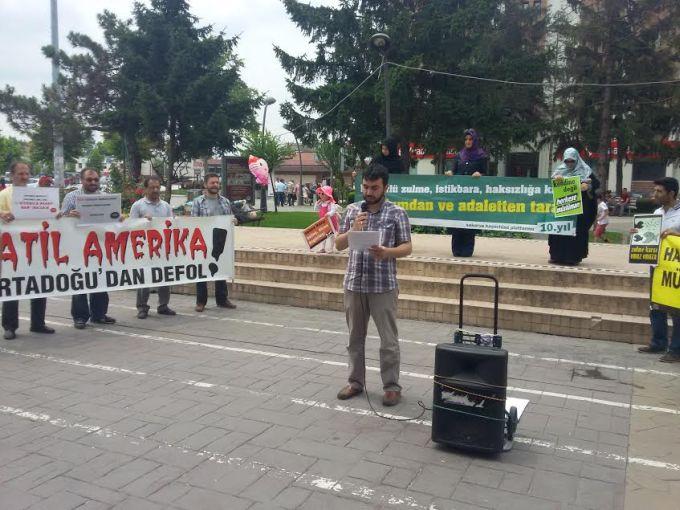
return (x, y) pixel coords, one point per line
(519, 294)
(549, 320)
(635, 281)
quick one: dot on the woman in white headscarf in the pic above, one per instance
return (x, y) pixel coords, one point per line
(570, 250)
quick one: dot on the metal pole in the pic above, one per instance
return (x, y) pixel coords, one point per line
(263, 190)
(223, 171)
(58, 150)
(300, 158)
(264, 118)
(387, 100)
(342, 167)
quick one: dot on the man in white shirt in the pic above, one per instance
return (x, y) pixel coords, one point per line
(666, 195)
(151, 206)
(20, 172)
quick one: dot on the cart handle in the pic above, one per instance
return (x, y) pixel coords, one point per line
(495, 300)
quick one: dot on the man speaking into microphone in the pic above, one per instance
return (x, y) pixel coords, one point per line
(371, 283)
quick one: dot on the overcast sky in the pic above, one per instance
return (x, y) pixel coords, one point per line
(261, 24)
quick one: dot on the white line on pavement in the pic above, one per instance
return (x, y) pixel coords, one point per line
(323, 482)
(342, 408)
(564, 361)
(417, 375)
(342, 488)
(519, 439)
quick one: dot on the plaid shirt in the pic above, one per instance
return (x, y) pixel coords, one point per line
(365, 273)
(200, 208)
(69, 203)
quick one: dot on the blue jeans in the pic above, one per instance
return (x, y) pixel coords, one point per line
(659, 320)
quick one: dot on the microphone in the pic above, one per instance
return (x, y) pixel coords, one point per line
(364, 207)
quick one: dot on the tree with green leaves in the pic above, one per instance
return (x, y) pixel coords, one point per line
(11, 149)
(162, 78)
(36, 118)
(618, 41)
(271, 149)
(487, 38)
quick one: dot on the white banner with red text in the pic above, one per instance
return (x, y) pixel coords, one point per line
(58, 258)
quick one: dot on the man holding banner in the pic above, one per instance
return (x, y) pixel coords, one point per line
(98, 305)
(211, 203)
(151, 206)
(666, 195)
(20, 173)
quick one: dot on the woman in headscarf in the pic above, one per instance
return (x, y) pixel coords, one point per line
(390, 158)
(471, 160)
(571, 250)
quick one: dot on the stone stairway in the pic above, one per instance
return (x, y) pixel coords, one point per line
(604, 304)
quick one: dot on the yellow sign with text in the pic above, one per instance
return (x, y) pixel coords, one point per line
(666, 280)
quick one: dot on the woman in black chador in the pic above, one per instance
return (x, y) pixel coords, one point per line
(571, 250)
(390, 158)
(473, 161)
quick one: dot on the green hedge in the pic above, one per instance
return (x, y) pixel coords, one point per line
(646, 206)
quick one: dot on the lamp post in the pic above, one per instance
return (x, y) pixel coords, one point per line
(382, 43)
(268, 101)
(58, 149)
(263, 192)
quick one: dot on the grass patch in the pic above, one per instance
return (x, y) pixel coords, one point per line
(612, 237)
(298, 219)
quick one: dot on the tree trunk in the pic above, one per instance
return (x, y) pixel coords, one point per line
(132, 148)
(172, 151)
(605, 117)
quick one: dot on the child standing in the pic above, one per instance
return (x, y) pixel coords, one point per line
(602, 219)
(328, 208)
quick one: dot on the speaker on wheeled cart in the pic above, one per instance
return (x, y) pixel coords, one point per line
(470, 380)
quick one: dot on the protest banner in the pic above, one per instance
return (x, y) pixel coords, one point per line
(567, 199)
(509, 204)
(644, 244)
(57, 257)
(666, 277)
(318, 232)
(34, 203)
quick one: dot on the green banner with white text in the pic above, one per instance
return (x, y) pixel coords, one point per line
(510, 204)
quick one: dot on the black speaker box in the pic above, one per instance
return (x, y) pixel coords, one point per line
(468, 409)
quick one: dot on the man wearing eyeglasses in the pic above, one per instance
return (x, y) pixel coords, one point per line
(98, 305)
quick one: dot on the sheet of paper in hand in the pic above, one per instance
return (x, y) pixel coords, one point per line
(35, 203)
(644, 244)
(98, 208)
(364, 239)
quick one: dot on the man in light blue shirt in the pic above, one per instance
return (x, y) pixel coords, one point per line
(666, 195)
(151, 206)
(280, 192)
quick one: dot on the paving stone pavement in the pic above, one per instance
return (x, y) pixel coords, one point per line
(236, 409)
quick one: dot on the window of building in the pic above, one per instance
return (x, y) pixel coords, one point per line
(648, 170)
